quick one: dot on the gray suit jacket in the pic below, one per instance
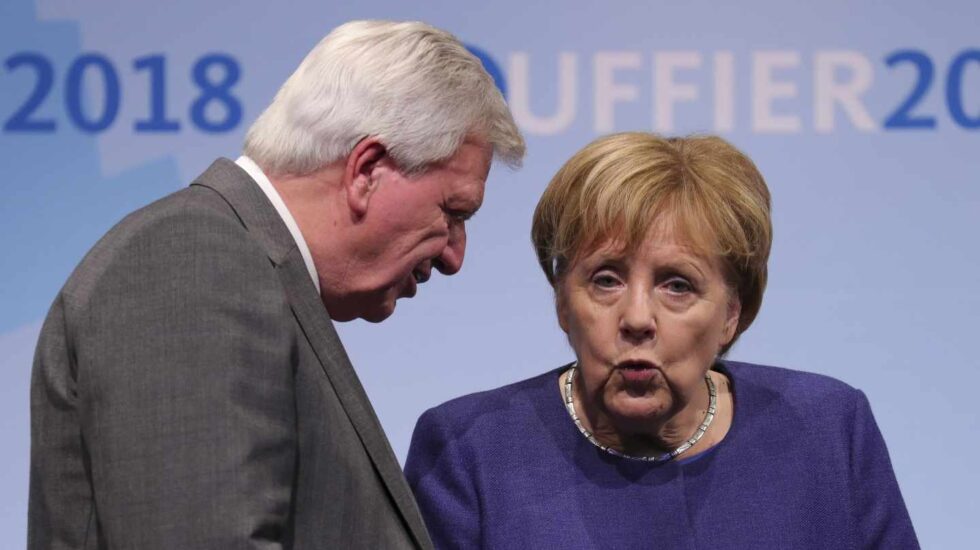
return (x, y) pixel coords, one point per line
(189, 391)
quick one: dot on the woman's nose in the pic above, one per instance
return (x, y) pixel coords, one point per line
(636, 322)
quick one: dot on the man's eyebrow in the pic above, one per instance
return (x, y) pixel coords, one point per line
(462, 208)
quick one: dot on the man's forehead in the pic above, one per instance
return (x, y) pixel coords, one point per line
(466, 195)
(480, 153)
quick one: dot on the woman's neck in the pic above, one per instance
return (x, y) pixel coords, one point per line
(656, 437)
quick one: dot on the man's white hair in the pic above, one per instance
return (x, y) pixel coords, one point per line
(414, 87)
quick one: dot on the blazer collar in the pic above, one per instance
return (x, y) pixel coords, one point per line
(260, 218)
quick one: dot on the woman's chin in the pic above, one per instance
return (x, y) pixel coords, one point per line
(636, 411)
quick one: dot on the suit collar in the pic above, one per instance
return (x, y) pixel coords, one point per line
(251, 205)
(262, 221)
(255, 172)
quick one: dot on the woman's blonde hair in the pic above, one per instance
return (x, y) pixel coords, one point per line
(618, 185)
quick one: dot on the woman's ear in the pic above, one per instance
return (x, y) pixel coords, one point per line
(561, 307)
(733, 315)
(360, 177)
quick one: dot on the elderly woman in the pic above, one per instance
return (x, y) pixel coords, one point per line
(656, 250)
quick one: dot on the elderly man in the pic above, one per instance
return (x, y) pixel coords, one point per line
(189, 390)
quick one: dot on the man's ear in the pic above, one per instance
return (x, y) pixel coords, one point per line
(360, 179)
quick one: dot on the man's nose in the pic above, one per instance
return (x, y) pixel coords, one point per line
(450, 260)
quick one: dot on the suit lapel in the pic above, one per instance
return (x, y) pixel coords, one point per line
(326, 344)
(261, 219)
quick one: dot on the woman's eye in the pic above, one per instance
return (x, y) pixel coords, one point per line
(679, 286)
(605, 281)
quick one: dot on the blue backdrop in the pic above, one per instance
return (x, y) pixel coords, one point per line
(863, 117)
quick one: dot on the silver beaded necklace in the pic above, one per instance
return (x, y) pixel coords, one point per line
(708, 417)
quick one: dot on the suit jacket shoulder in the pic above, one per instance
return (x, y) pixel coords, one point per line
(190, 352)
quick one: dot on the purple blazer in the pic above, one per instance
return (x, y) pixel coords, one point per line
(803, 466)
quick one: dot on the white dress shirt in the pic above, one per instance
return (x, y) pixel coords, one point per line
(260, 178)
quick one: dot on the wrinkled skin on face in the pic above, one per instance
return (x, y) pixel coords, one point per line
(406, 226)
(646, 326)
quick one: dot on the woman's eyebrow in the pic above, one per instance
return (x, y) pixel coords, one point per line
(693, 264)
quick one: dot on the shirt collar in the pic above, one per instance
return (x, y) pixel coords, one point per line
(263, 182)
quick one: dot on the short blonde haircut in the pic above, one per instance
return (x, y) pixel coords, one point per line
(618, 185)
